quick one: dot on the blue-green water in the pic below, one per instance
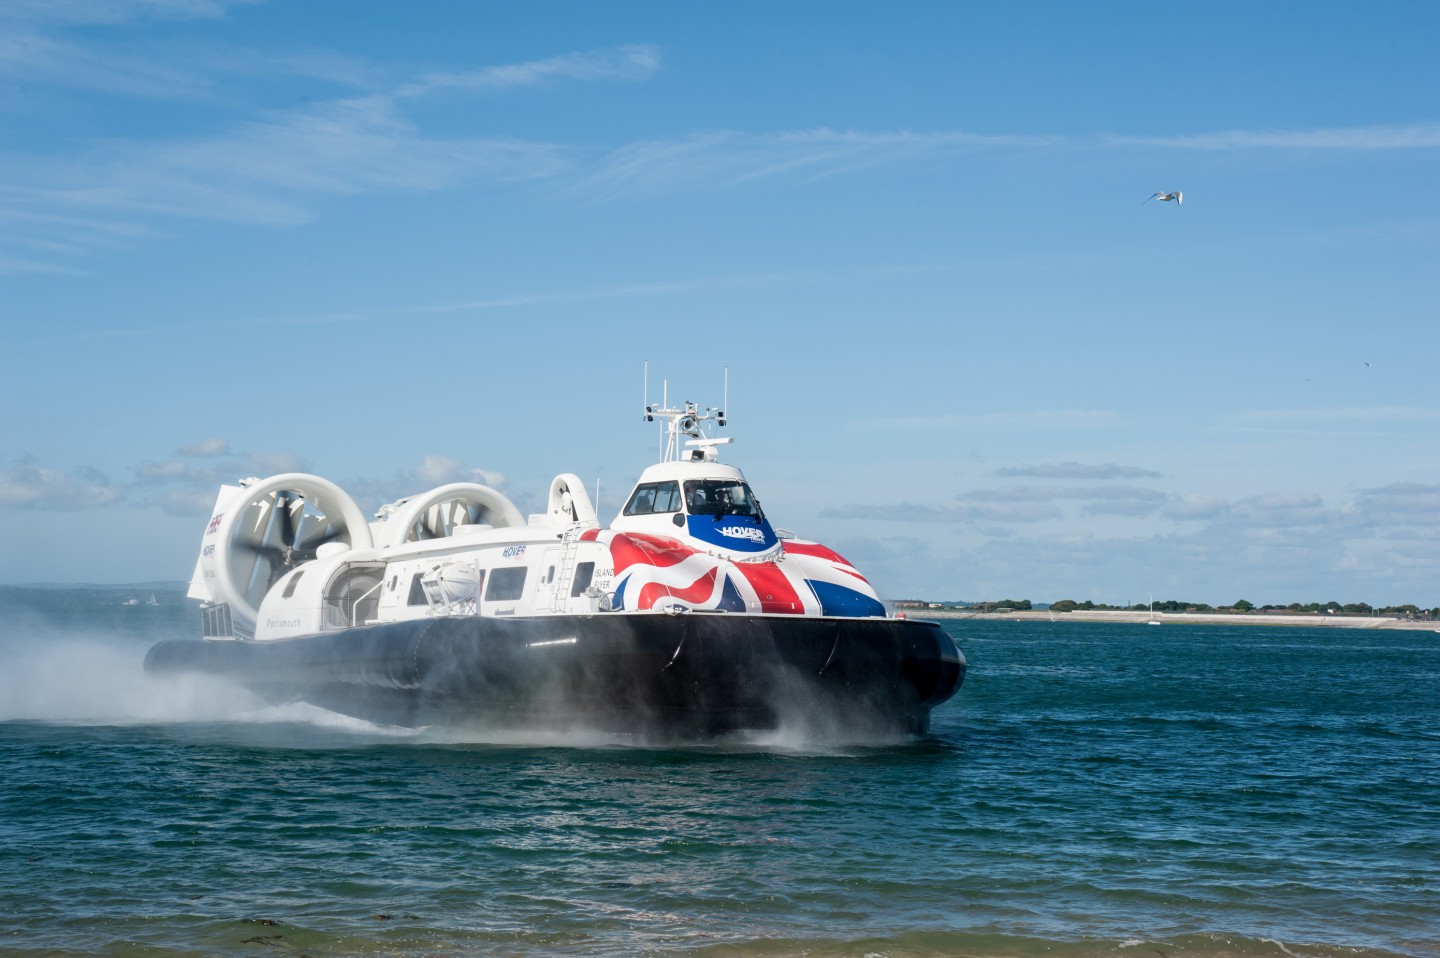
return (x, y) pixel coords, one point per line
(1094, 790)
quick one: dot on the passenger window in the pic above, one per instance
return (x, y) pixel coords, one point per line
(417, 591)
(584, 573)
(506, 585)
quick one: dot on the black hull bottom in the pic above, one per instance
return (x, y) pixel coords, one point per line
(691, 674)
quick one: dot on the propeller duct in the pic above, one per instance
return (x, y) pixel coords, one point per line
(268, 528)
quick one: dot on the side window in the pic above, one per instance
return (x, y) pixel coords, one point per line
(652, 497)
(417, 591)
(505, 584)
(642, 502)
(584, 573)
(290, 586)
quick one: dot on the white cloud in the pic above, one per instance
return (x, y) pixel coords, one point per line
(434, 470)
(441, 469)
(205, 449)
(1402, 505)
(1122, 507)
(1196, 506)
(185, 502)
(27, 485)
(1027, 493)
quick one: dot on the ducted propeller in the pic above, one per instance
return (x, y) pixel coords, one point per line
(439, 512)
(270, 527)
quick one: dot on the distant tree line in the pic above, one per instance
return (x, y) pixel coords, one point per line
(1176, 605)
(1244, 605)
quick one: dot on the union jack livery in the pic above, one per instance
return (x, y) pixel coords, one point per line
(689, 613)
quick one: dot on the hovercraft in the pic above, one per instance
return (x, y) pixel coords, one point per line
(688, 614)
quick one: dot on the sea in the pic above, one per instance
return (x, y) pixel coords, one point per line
(1094, 789)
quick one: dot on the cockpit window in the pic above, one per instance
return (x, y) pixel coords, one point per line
(720, 497)
(652, 497)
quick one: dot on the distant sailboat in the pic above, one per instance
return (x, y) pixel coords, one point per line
(1153, 620)
(151, 600)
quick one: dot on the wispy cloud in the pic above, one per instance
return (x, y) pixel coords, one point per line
(97, 12)
(267, 170)
(633, 62)
(1336, 422)
(727, 159)
(1028, 419)
(618, 291)
(32, 47)
(1411, 136)
(1075, 470)
(1346, 414)
(272, 168)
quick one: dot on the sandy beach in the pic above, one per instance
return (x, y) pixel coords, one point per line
(1188, 618)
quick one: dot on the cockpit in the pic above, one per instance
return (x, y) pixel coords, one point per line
(702, 497)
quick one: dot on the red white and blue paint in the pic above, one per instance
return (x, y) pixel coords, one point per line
(802, 578)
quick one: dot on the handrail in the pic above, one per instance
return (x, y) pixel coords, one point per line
(355, 609)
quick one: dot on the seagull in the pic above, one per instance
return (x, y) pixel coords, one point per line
(1177, 196)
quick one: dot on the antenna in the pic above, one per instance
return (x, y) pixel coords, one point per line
(725, 398)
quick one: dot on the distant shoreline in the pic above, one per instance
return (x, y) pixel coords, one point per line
(1185, 618)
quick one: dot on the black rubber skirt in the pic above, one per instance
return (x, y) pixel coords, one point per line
(691, 673)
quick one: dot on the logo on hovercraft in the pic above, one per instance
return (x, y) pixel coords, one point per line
(214, 523)
(742, 532)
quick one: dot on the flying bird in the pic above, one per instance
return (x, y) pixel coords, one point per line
(1177, 196)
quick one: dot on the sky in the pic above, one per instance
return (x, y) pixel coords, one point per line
(402, 244)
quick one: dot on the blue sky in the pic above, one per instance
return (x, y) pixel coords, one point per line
(401, 244)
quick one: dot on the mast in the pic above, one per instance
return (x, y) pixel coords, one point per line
(688, 425)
